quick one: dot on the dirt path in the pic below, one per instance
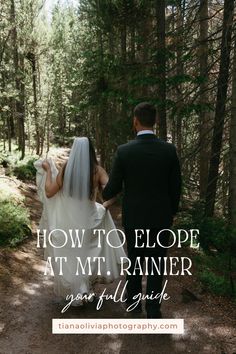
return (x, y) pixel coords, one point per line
(27, 309)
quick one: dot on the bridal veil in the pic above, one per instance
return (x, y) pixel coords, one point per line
(69, 210)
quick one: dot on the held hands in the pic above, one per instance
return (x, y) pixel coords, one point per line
(109, 202)
(106, 204)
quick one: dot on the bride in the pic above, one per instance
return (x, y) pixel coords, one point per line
(69, 204)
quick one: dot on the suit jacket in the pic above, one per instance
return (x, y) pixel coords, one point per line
(149, 170)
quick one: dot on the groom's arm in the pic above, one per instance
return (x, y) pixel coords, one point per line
(114, 185)
(175, 183)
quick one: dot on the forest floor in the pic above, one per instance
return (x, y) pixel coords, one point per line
(27, 307)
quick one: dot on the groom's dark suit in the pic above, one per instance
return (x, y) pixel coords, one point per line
(148, 169)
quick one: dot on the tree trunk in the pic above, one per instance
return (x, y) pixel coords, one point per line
(11, 118)
(123, 38)
(203, 100)
(132, 42)
(180, 72)
(232, 147)
(21, 107)
(123, 43)
(222, 85)
(19, 67)
(8, 117)
(34, 80)
(161, 67)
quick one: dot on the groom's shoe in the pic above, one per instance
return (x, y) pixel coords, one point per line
(154, 314)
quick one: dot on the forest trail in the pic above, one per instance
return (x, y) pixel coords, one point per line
(27, 308)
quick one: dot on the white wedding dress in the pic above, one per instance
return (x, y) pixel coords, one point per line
(63, 212)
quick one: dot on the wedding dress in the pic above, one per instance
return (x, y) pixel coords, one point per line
(71, 209)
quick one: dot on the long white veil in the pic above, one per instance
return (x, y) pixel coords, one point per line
(69, 211)
(76, 183)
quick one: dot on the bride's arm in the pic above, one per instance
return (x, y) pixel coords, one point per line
(103, 179)
(51, 187)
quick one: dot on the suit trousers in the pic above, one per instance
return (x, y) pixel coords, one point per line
(154, 280)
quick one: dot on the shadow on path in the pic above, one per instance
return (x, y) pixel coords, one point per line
(27, 309)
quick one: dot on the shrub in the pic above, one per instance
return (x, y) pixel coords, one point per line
(217, 259)
(14, 223)
(25, 170)
(217, 284)
(6, 159)
(215, 234)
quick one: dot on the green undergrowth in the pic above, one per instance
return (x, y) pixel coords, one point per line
(14, 217)
(216, 259)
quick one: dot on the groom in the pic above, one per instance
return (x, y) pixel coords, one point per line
(148, 169)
